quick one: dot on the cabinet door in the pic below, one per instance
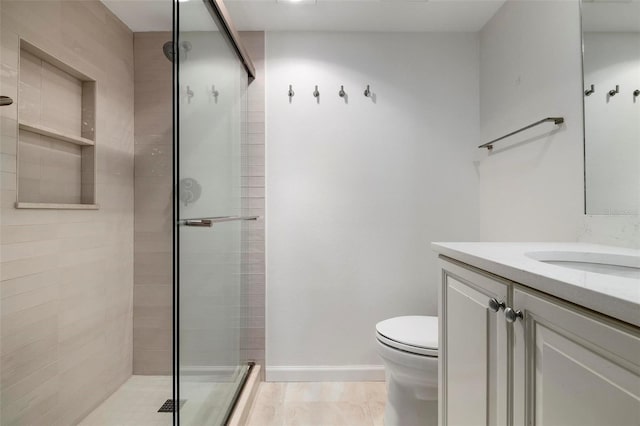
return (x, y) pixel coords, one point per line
(573, 367)
(473, 349)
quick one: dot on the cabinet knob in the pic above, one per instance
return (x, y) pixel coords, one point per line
(495, 306)
(512, 315)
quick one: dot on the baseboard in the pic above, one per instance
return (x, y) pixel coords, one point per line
(325, 373)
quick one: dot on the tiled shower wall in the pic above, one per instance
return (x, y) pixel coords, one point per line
(152, 299)
(67, 275)
(252, 337)
(152, 279)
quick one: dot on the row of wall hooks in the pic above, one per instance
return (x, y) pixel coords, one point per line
(341, 93)
(611, 93)
(213, 92)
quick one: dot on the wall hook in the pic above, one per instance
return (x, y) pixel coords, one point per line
(590, 91)
(367, 92)
(214, 92)
(636, 93)
(342, 93)
(614, 92)
(316, 94)
(290, 93)
(189, 94)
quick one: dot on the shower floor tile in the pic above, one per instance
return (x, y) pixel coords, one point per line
(319, 404)
(135, 403)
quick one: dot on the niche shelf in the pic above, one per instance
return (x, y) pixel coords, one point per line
(56, 133)
(45, 131)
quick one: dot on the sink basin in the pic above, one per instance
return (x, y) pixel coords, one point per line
(601, 263)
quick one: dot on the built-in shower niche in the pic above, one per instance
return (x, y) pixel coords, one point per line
(56, 140)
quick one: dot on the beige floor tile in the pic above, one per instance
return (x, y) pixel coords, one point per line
(309, 391)
(376, 391)
(266, 414)
(376, 409)
(315, 403)
(272, 391)
(363, 392)
(357, 392)
(267, 409)
(327, 414)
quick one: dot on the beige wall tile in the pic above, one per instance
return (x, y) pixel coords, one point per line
(61, 100)
(8, 141)
(30, 88)
(28, 359)
(153, 283)
(66, 276)
(151, 362)
(49, 169)
(30, 398)
(16, 397)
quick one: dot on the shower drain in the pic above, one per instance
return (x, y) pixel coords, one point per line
(169, 406)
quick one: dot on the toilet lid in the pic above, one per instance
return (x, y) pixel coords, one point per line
(415, 334)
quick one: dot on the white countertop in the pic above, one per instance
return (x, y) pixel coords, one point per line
(617, 297)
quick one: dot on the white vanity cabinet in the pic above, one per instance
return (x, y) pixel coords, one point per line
(473, 348)
(572, 367)
(538, 360)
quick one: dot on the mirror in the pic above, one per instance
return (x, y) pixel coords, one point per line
(611, 75)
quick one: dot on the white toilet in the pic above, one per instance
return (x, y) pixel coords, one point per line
(408, 347)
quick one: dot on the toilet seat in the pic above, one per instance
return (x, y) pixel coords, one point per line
(414, 334)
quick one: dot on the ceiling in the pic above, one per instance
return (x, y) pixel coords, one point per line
(611, 16)
(314, 15)
(143, 15)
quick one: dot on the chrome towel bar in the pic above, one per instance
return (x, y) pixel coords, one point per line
(556, 121)
(209, 221)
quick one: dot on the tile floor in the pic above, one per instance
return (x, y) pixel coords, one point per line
(137, 401)
(319, 404)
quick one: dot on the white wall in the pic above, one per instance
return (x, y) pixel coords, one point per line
(530, 68)
(531, 185)
(357, 190)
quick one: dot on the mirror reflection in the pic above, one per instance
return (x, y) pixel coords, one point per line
(611, 66)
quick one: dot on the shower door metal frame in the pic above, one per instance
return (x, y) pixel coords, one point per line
(220, 14)
(222, 19)
(174, 230)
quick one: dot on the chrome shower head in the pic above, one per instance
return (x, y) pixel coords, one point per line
(170, 52)
(167, 48)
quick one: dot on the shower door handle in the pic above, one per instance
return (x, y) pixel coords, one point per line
(5, 101)
(204, 223)
(208, 222)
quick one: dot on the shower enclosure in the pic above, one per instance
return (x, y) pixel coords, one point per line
(121, 212)
(211, 75)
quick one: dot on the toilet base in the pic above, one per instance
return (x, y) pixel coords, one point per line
(404, 409)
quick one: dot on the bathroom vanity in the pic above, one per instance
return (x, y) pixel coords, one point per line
(531, 334)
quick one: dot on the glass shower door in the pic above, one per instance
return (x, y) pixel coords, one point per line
(210, 113)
